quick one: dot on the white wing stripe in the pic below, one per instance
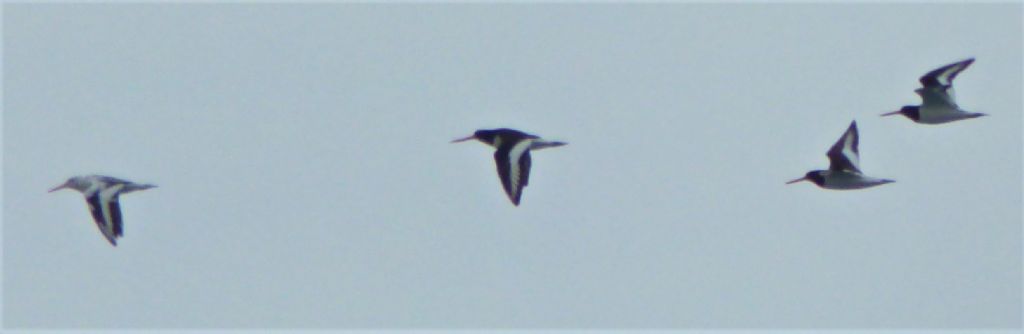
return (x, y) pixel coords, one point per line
(513, 161)
(106, 195)
(951, 71)
(848, 152)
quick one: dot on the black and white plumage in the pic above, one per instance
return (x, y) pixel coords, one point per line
(512, 156)
(102, 195)
(938, 100)
(844, 166)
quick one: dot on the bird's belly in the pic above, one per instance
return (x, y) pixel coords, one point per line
(850, 182)
(941, 115)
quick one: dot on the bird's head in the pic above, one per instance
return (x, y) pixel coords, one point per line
(816, 176)
(486, 136)
(75, 182)
(911, 112)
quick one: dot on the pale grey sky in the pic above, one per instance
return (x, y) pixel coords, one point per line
(306, 180)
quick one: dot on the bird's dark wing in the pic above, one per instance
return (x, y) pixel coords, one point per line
(501, 160)
(943, 76)
(844, 154)
(524, 170)
(109, 197)
(96, 207)
(513, 162)
(114, 207)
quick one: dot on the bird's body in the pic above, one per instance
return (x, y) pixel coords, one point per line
(845, 180)
(938, 100)
(102, 195)
(844, 166)
(512, 156)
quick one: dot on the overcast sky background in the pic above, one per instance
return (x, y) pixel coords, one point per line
(306, 179)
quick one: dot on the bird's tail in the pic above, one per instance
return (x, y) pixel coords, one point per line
(137, 187)
(539, 144)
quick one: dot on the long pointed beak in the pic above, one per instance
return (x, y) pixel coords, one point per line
(797, 180)
(65, 185)
(891, 113)
(463, 139)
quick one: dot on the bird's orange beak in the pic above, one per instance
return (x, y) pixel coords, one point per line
(463, 139)
(797, 180)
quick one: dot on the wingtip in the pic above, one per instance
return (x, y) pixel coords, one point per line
(964, 63)
(111, 240)
(852, 127)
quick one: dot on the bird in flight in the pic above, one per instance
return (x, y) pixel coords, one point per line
(101, 194)
(938, 101)
(844, 169)
(512, 156)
